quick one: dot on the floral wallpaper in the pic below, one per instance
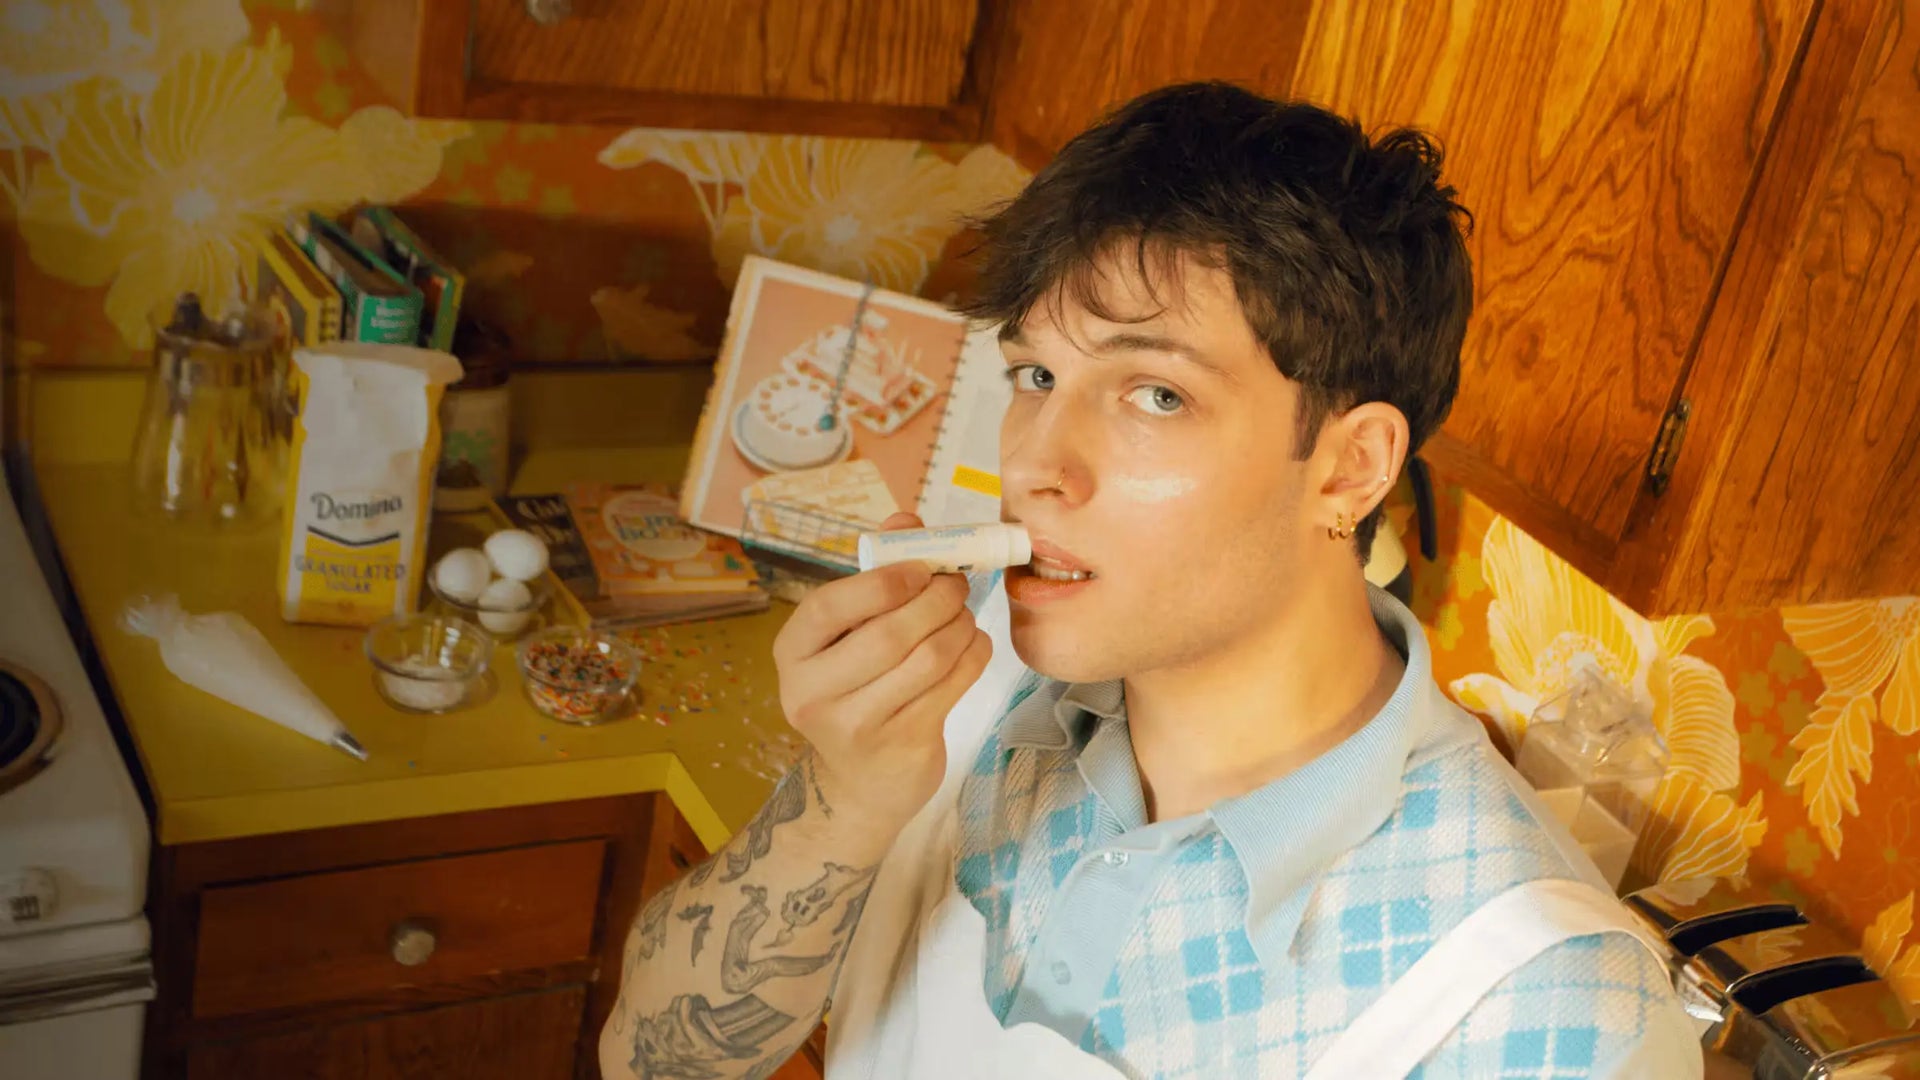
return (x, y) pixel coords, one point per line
(147, 145)
(1792, 732)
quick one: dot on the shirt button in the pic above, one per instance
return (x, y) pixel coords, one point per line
(1062, 974)
(1114, 858)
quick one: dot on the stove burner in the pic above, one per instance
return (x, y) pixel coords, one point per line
(29, 724)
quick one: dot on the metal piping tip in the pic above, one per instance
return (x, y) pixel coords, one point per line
(351, 745)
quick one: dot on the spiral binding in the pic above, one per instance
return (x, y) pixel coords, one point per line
(952, 393)
(830, 419)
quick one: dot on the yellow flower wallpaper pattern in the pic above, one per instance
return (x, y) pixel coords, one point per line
(1887, 952)
(1543, 619)
(1749, 702)
(1859, 648)
(146, 145)
(167, 181)
(869, 209)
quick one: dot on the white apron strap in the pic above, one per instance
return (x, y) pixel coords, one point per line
(1417, 1013)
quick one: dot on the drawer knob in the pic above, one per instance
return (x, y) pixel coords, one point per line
(411, 943)
(549, 12)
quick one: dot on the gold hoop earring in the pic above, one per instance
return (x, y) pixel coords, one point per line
(1342, 528)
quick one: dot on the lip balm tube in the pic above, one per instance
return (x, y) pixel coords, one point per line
(956, 549)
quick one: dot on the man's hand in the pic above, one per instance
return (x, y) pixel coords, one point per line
(869, 668)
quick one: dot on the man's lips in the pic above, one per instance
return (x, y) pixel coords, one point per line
(1051, 558)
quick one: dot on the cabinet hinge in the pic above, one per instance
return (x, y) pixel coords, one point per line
(1666, 447)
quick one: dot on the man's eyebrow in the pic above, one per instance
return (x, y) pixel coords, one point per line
(1133, 341)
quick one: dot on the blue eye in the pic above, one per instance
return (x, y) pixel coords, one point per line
(1030, 377)
(1156, 400)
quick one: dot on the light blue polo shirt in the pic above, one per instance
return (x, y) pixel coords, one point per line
(1239, 941)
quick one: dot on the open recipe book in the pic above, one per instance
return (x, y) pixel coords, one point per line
(834, 405)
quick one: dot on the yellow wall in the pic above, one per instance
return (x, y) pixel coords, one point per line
(140, 163)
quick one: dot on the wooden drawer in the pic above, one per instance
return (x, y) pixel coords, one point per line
(338, 936)
(522, 1037)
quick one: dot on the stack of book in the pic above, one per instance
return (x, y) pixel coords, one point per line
(626, 554)
(370, 280)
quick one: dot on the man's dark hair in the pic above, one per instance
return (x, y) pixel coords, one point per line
(1347, 253)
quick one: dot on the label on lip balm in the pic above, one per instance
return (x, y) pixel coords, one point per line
(956, 549)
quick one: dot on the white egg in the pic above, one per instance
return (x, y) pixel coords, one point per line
(461, 574)
(517, 554)
(503, 606)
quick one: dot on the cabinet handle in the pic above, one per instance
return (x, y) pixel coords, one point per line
(549, 12)
(411, 943)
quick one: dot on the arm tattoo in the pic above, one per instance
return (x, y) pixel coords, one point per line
(701, 916)
(690, 1036)
(850, 918)
(771, 1063)
(788, 802)
(811, 765)
(739, 972)
(804, 906)
(653, 921)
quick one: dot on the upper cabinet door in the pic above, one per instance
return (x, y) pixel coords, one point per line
(1058, 67)
(847, 67)
(1806, 390)
(1606, 150)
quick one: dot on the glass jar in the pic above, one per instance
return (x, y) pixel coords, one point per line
(212, 448)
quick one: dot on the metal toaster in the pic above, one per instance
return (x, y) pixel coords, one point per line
(1785, 997)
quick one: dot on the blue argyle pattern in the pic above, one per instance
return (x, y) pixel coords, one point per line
(1187, 997)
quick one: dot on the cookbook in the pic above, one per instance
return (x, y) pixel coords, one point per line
(380, 305)
(639, 545)
(835, 404)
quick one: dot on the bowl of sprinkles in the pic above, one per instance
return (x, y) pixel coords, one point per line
(578, 676)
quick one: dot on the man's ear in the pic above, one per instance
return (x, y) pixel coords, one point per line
(1363, 449)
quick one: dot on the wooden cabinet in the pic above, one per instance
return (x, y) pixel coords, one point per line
(1606, 152)
(484, 946)
(1797, 482)
(850, 67)
(1023, 74)
(1690, 369)
(518, 1037)
(1058, 66)
(475, 945)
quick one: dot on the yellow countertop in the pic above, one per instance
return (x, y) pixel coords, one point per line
(708, 731)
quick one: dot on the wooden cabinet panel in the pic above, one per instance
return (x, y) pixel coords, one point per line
(1799, 483)
(330, 937)
(870, 51)
(1607, 151)
(833, 67)
(1059, 67)
(527, 1037)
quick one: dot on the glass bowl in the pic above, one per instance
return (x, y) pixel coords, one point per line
(504, 624)
(428, 663)
(578, 676)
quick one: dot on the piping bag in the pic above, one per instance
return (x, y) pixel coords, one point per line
(227, 656)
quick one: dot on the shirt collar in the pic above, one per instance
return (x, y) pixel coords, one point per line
(1061, 715)
(1288, 832)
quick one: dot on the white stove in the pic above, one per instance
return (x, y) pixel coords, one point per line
(75, 969)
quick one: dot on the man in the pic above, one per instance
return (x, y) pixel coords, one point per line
(1213, 807)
